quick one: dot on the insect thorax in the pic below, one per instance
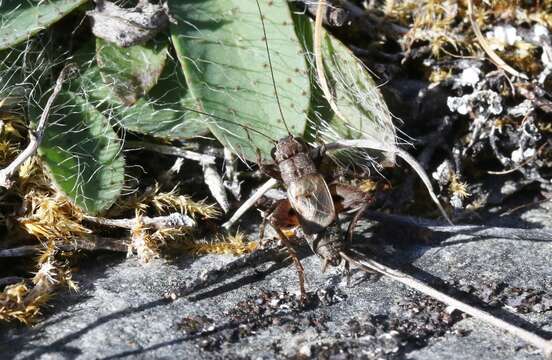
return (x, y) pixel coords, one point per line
(293, 159)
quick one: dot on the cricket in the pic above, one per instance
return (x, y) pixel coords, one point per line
(158, 130)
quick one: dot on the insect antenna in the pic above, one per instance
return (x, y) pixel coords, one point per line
(270, 66)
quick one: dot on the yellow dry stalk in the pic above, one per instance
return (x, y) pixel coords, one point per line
(231, 244)
(171, 201)
(13, 307)
(164, 202)
(10, 137)
(33, 178)
(172, 234)
(21, 303)
(137, 201)
(439, 75)
(401, 11)
(458, 188)
(8, 151)
(52, 217)
(141, 241)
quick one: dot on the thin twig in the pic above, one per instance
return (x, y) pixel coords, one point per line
(371, 265)
(159, 222)
(92, 243)
(20, 251)
(250, 202)
(35, 137)
(175, 151)
(497, 60)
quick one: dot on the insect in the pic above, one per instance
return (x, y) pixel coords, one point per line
(310, 202)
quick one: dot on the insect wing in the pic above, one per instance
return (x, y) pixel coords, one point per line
(311, 198)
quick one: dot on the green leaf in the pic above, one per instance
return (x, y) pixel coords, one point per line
(162, 113)
(222, 50)
(83, 154)
(131, 72)
(19, 20)
(356, 95)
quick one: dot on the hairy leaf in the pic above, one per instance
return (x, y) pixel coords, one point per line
(19, 20)
(356, 95)
(162, 112)
(83, 154)
(221, 46)
(131, 72)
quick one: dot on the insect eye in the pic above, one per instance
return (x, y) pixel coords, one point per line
(273, 153)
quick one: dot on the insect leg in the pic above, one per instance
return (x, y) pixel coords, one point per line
(318, 153)
(296, 261)
(350, 197)
(353, 222)
(268, 169)
(266, 215)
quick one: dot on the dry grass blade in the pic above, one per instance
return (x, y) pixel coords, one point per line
(497, 60)
(250, 202)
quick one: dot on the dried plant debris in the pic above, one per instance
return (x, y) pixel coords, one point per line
(231, 244)
(23, 301)
(488, 81)
(126, 27)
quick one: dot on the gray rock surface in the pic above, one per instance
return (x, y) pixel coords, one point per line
(122, 310)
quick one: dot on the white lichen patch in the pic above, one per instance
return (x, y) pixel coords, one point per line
(484, 103)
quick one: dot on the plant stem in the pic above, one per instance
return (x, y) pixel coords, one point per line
(175, 151)
(158, 222)
(250, 202)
